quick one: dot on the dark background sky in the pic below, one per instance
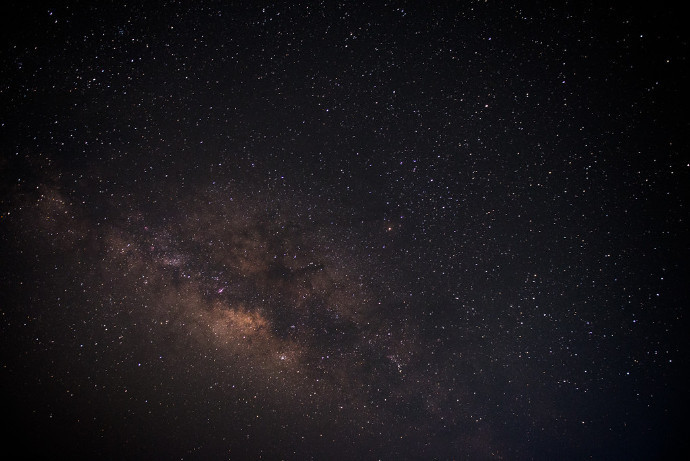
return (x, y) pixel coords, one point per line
(342, 230)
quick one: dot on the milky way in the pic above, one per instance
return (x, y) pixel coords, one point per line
(340, 231)
(275, 294)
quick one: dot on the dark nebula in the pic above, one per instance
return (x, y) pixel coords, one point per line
(343, 231)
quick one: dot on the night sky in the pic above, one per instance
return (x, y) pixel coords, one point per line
(343, 231)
